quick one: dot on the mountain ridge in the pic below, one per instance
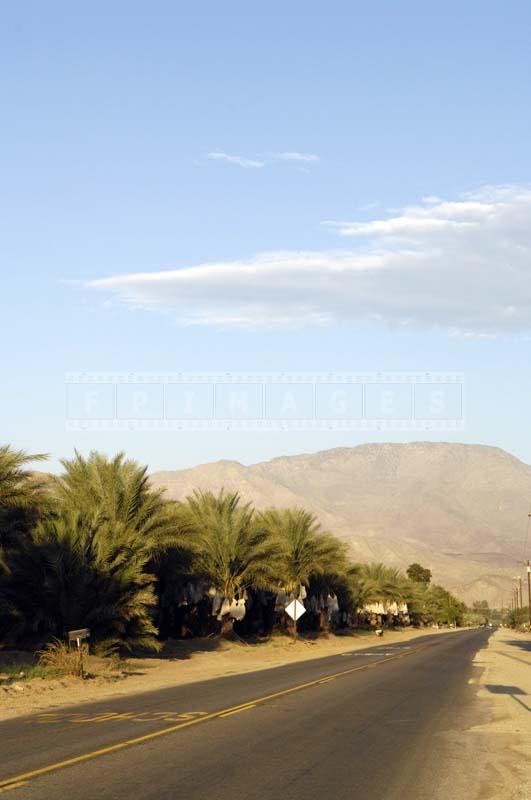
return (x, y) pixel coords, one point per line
(459, 509)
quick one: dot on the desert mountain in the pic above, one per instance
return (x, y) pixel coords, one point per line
(460, 510)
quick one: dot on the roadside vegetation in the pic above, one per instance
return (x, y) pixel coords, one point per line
(518, 618)
(99, 548)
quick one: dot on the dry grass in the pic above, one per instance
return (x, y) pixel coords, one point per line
(62, 659)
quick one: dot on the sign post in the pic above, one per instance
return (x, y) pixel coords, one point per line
(295, 610)
(78, 636)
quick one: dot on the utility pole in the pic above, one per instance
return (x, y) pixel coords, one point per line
(517, 595)
(529, 591)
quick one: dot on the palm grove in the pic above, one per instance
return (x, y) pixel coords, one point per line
(98, 547)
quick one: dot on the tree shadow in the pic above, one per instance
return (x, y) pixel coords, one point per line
(184, 649)
(512, 691)
(522, 644)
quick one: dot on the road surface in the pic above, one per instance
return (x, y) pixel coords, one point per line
(369, 724)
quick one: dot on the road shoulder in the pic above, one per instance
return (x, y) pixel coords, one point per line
(504, 688)
(485, 742)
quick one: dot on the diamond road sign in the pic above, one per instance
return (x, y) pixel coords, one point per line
(295, 610)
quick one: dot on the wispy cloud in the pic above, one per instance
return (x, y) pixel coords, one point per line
(246, 163)
(463, 265)
(262, 161)
(418, 220)
(294, 156)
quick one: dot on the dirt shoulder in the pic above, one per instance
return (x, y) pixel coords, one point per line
(504, 695)
(186, 662)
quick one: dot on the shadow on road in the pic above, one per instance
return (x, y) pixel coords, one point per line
(512, 691)
(522, 644)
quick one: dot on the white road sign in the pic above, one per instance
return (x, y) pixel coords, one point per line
(295, 610)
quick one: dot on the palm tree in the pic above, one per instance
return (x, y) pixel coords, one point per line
(116, 492)
(382, 583)
(21, 493)
(307, 552)
(347, 587)
(233, 551)
(17, 485)
(76, 573)
(90, 562)
(379, 583)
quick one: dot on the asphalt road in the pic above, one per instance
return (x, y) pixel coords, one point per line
(367, 724)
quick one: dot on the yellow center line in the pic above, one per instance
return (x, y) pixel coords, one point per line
(237, 711)
(13, 786)
(16, 780)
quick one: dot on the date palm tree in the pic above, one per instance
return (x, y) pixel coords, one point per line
(308, 553)
(306, 550)
(232, 549)
(385, 584)
(116, 493)
(380, 583)
(77, 573)
(21, 497)
(17, 484)
(89, 563)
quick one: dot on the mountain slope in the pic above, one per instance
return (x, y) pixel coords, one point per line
(459, 509)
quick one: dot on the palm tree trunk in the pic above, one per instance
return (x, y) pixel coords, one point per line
(324, 622)
(227, 627)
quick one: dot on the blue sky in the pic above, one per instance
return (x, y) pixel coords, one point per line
(204, 143)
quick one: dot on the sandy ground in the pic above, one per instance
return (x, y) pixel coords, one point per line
(487, 743)
(505, 735)
(186, 662)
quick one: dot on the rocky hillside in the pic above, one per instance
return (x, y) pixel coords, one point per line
(459, 509)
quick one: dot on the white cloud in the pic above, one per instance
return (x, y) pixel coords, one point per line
(262, 161)
(416, 221)
(246, 163)
(463, 265)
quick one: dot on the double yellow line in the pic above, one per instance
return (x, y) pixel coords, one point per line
(19, 780)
